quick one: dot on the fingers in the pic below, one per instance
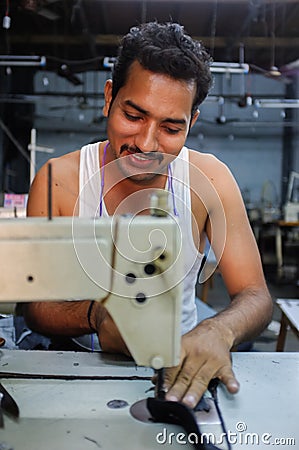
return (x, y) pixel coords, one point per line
(188, 385)
(170, 376)
(228, 378)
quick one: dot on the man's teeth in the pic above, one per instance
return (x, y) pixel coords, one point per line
(140, 156)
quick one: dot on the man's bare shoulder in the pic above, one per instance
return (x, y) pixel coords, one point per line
(64, 169)
(65, 186)
(69, 161)
(207, 170)
(206, 162)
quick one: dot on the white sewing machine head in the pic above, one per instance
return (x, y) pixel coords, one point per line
(133, 264)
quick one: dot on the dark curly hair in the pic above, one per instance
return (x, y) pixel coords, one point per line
(166, 49)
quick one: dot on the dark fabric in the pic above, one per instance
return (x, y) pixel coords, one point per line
(177, 413)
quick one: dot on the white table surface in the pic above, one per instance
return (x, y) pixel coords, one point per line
(67, 409)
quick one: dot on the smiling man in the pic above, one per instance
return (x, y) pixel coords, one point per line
(159, 80)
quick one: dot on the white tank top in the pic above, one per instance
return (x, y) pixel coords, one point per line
(89, 199)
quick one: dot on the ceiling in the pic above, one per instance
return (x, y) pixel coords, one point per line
(82, 32)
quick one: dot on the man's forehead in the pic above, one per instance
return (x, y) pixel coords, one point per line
(142, 83)
(137, 70)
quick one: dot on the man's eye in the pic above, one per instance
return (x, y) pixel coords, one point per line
(172, 130)
(131, 117)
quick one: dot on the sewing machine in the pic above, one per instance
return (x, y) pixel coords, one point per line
(131, 264)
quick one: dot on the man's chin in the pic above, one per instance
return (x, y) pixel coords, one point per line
(144, 178)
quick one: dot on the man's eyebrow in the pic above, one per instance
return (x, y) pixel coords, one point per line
(146, 113)
(137, 107)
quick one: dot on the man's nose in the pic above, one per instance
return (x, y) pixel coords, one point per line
(147, 138)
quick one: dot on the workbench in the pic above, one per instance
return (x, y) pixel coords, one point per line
(64, 398)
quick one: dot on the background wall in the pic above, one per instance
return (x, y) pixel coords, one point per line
(249, 139)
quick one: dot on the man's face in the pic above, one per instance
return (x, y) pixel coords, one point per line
(148, 121)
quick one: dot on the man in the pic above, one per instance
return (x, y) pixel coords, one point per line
(159, 80)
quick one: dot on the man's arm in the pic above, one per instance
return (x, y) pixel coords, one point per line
(206, 349)
(73, 319)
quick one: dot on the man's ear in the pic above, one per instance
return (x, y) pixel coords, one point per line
(107, 97)
(194, 118)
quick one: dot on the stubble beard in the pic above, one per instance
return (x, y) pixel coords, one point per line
(139, 177)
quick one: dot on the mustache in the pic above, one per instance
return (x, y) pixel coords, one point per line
(134, 149)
